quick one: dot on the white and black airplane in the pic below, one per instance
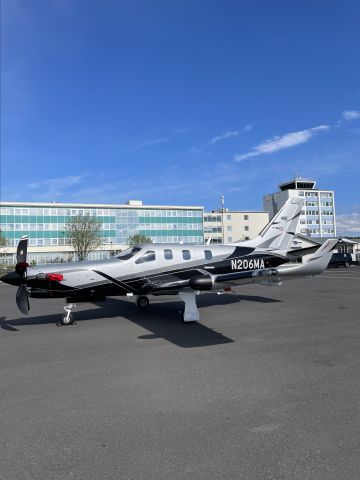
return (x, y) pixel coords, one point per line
(174, 269)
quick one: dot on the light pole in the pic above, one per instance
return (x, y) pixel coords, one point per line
(222, 199)
(110, 249)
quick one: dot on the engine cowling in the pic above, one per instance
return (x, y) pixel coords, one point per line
(202, 282)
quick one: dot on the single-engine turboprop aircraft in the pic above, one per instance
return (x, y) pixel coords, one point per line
(174, 269)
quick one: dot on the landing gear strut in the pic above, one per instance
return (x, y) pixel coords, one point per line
(142, 301)
(191, 312)
(67, 318)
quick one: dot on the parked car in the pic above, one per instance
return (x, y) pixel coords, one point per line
(340, 260)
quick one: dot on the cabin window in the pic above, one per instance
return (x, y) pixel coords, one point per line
(128, 253)
(148, 256)
(186, 254)
(208, 254)
(168, 254)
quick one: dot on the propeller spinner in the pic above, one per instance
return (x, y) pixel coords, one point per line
(22, 295)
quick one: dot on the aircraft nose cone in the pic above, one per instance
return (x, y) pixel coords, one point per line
(11, 278)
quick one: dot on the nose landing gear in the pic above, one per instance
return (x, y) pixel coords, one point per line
(67, 318)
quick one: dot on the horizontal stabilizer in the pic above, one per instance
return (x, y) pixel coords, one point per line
(311, 264)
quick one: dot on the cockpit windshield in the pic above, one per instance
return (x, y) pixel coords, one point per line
(128, 253)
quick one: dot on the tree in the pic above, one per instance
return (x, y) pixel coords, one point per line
(3, 244)
(3, 241)
(138, 238)
(84, 235)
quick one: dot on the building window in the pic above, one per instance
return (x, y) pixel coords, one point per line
(246, 217)
(186, 254)
(228, 217)
(246, 228)
(208, 254)
(229, 239)
(229, 228)
(168, 254)
(247, 238)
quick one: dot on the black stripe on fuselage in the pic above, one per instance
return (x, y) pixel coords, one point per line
(220, 267)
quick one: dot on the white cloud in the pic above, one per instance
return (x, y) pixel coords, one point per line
(149, 143)
(157, 141)
(53, 187)
(282, 142)
(57, 182)
(350, 115)
(348, 224)
(229, 134)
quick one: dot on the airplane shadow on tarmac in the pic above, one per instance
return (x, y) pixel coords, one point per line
(161, 319)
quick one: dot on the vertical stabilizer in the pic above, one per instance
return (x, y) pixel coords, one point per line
(280, 231)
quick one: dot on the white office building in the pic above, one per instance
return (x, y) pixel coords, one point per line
(228, 226)
(318, 214)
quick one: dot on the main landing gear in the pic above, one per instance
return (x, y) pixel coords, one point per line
(190, 314)
(67, 318)
(142, 301)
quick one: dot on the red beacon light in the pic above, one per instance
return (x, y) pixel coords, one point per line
(54, 277)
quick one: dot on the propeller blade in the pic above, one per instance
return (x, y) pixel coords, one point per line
(22, 299)
(21, 252)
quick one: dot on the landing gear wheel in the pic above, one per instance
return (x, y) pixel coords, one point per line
(67, 319)
(142, 302)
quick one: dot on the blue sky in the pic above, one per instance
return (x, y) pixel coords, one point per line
(179, 102)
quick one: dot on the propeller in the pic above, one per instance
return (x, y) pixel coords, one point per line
(22, 295)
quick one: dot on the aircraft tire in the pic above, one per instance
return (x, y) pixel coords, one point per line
(142, 302)
(67, 321)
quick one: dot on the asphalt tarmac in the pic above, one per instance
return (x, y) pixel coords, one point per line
(265, 386)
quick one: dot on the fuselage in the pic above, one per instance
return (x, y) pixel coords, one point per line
(151, 268)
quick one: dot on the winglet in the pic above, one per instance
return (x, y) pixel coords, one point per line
(311, 264)
(323, 252)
